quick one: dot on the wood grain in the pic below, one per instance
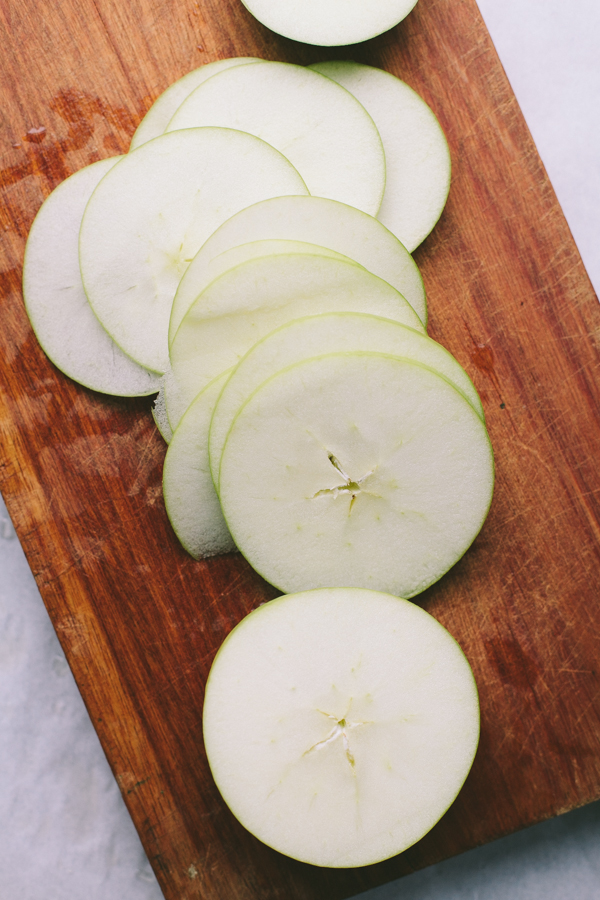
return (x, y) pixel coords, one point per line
(81, 473)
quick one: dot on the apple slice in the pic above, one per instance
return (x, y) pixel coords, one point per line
(61, 317)
(313, 220)
(151, 213)
(320, 127)
(329, 23)
(340, 724)
(324, 334)
(416, 151)
(166, 105)
(356, 469)
(254, 298)
(159, 413)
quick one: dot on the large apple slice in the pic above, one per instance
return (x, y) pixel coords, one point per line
(151, 213)
(356, 469)
(416, 151)
(340, 724)
(320, 127)
(61, 317)
(313, 220)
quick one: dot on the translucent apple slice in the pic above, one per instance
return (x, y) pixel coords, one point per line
(166, 105)
(416, 151)
(254, 298)
(340, 725)
(329, 23)
(61, 317)
(151, 213)
(190, 498)
(356, 469)
(323, 334)
(313, 220)
(324, 132)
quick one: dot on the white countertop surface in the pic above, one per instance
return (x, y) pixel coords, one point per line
(65, 833)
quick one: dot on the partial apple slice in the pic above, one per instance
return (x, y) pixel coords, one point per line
(356, 469)
(320, 127)
(151, 213)
(324, 334)
(340, 725)
(313, 220)
(62, 319)
(159, 413)
(254, 298)
(416, 151)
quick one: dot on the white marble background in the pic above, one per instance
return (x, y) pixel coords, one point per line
(64, 831)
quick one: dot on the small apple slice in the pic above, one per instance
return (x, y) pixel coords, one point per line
(152, 212)
(166, 105)
(356, 469)
(324, 334)
(416, 151)
(190, 498)
(324, 132)
(340, 724)
(159, 413)
(61, 317)
(254, 298)
(313, 220)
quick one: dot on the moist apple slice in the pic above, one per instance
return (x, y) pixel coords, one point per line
(254, 298)
(340, 724)
(61, 317)
(166, 105)
(356, 469)
(320, 127)
(151, 213)
(312, 220)
(323, 334)
(416, 151)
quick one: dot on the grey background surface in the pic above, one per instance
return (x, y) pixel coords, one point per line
(64, 830)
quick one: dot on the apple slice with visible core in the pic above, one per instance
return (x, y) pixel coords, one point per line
(340, 724)
(62, 319)
(329, 23)
(356, 469)
(254, 298)
(312, 220)
(166, 105)
(190, 498)
(324, 334)
(324, 132)
(416, 151)
(151, 213)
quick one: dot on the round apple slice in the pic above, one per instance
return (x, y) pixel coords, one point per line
(313, 220)
(166, 105)
(324, 334)
(324, 132)
(329, 23)
(62, 319)
(254, 298)
(151, 213)
(340, 724)
(356, 469)
(416, 151)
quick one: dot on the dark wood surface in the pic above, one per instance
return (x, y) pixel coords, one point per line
(81, 473)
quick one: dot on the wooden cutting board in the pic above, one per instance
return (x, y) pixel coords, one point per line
(81, 474)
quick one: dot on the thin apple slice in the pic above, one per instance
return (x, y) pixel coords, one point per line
(416, 151)
(61, 317)
(324, 132)
(312, 220)
(190, 498)
(159, 413)
(356, 469)
(254, 298)
(151, 213)
(166, 105)
(340, 725)
(324, 334)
